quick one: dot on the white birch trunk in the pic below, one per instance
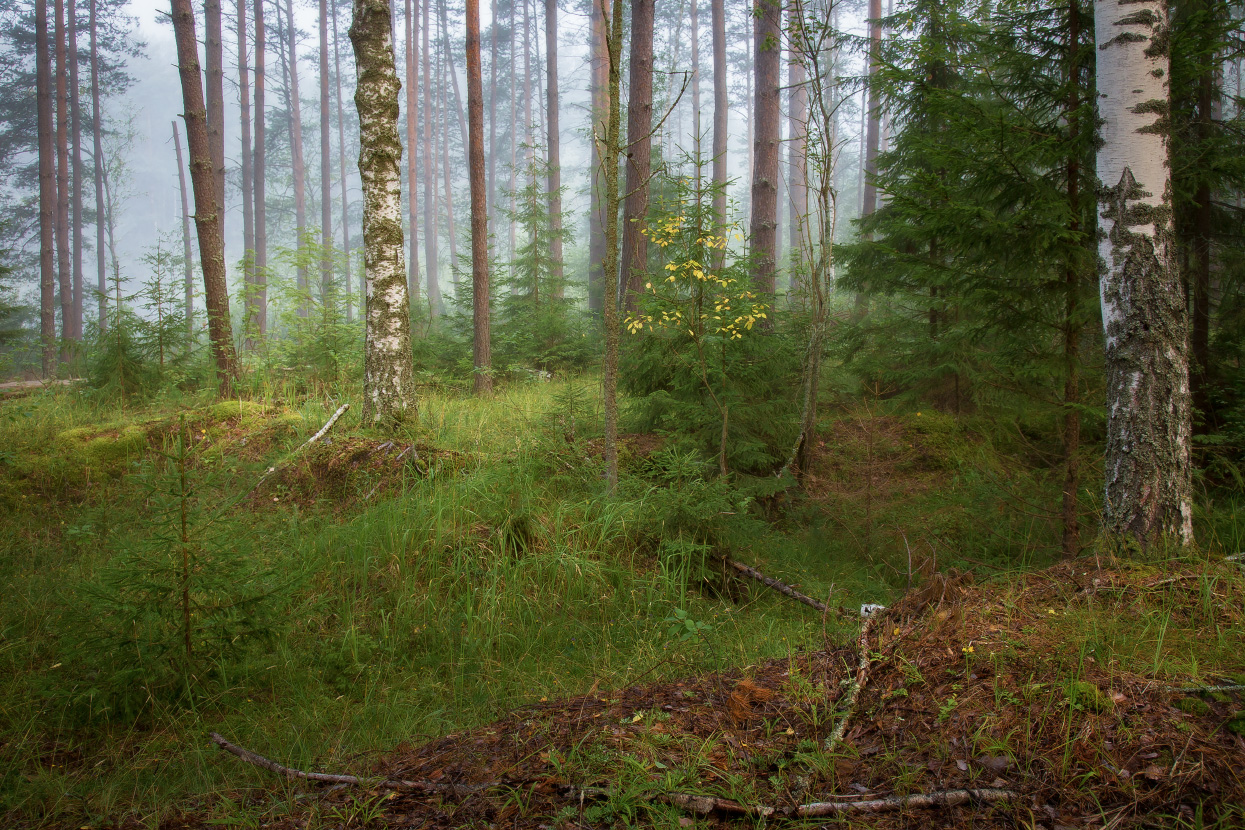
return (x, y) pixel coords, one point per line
(1148, 483)
(388, 381)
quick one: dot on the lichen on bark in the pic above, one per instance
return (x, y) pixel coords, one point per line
(388, 384)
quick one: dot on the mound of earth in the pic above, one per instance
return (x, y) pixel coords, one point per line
(960, 706)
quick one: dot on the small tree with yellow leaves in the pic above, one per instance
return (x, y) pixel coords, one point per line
(695, 322)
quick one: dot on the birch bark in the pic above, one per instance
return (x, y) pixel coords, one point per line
(1144, 314)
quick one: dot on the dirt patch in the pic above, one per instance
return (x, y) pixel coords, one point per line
(975, 687)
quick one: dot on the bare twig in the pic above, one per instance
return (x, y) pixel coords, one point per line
(1188, 690)
(341, 410)
(780, 587)
(944, 798)
(862, 676)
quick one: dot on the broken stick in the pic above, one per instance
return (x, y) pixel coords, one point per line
(780, 587)
(858, 684)
(341, 410)
(945, 798)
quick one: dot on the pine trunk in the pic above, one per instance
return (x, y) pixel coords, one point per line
(341, 159)
(431, 254)
(611, 151)
(411, 32)
(97, 150)
(873, 125)
(638, 153)
(446, 172)
(695, 35)
(214, 55)
(767, 34)
(188, 282)
(481, 345)
(63, 262)
(389, 389)
(207, 220)
(492, 110)
(326, 162)
(296, 151)
(248, 173)
(47, 190)
(599, 89)
(797, 178)
(1071, 541)
(257, 298)
(1147, 469)
(554, 149)
(75, 170)
(721, 118)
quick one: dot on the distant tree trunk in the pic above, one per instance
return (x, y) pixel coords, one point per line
(639, 152)
(798, 177)
(767, 30)
(257, 299)
(446, 173)
(187, 254)
(1148, 469)
(341, 158)
(1071, 541)
(514, 135)
(872, 130)
(695, 35)
(599, 89)
(389, 375)
(207, 220)
(214, 56)
(411, 17)
(326, 162)
(492, 110)
(97, 150)
(528, 138)
(47, 189)
(1201, 230)
(64, 264)
(431, 255)
(554, 150)
(721, 118)
(75, 169)
(449, 61)
(296, 150)
(611, 151)
(482, 358)
(248, 172)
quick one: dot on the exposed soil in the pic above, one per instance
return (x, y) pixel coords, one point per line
(965, 687)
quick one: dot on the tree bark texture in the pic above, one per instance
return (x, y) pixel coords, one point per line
(207, 219)
(767, 22)
(75, 169)
(721, 118)
(248, 172)
(388, 382)
(1147, 469)
(63, 262)
(411, 21)
(296, 149)
(47, 190)
(600, 102)
(326, 161)
(257, 298)
(554, 140)
(214, 56)
(797, 177)
(481, 345)
(431, 255)
(873, 124)
(638, 153)
(97, 151)
(188, 281)
(611, 150)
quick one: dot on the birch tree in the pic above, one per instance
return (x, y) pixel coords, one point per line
(388, 373)
(1147, 471)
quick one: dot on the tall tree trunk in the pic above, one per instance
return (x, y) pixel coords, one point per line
(64, 265)
(611, 151)
(341, 158)
(449, 60)
(767, 33)
(1148, 469)
(528, 137)
(872, 131)
(75, 169)
(514, 135)
(481, 346)
(296, 150)
(47, 189)
(695, 35)
(554, 140)
(492, 110)
(257, 299)
(389, 374)
(97, 151)
(721, 118)
(207, 220)
(1200, 247)
(326, 162)
(639, 152)
(188, 281)
(411, 17)
(599, 89)
(214, 56)
(430, 177)
(248, 172)
(446, 173)
(797, 178)
(1071, 542)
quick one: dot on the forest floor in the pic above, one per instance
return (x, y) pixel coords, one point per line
(460, 621)
(1031, 703)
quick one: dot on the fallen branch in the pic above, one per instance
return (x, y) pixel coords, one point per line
(780, 587)
(341, 410)
(858, 684)
(945, 798)
(258, 760)
(1189, 690)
